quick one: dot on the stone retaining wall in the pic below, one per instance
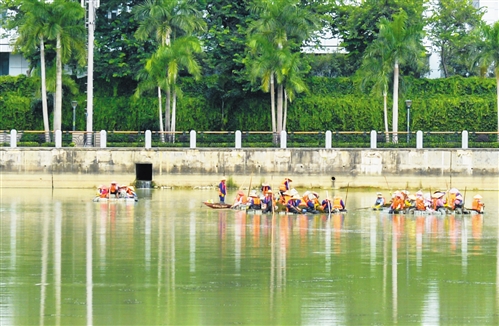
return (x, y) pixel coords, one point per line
(318, 168)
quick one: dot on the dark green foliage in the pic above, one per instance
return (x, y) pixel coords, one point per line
(19, 116)
(21, 85)
(336, 104)
(330, 65)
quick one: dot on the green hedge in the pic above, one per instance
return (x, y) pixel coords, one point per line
(336, 104)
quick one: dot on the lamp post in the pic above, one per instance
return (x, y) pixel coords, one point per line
(408, 104)
(74, 104)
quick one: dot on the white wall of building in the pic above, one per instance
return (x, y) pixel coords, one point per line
(17, 63)
(492, 7)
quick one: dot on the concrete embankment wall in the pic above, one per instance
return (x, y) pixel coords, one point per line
(309, 168)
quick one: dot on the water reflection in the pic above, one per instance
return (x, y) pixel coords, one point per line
(89, 268)
(181, 263)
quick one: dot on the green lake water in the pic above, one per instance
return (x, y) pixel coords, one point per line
(170, 260)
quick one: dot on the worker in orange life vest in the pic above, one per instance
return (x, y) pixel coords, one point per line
(103, 192)
(241, 199)
(265, 188)
(293, 204)
(114, 189)
(254, 201)
(437, 200)
(338, 203)
(477, 204)
(420, 201)
(285, 185)
(398, 202)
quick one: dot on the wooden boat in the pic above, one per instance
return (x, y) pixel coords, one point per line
(112, 200)
(217, 205)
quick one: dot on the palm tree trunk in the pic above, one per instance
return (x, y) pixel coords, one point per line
(58, 86)
(46, 125)
(160, 116)
(272, 108)
(174, 109)
(167, 111)
(395, 113)
(497, 99)
(385, 114)
(285, 110)
(280, 90)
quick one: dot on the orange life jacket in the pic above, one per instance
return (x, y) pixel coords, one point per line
(256, 200)
(452, 201)
(398, 203)
(337, 203)
(434, 203)
(284, 185)
(284, 199)
(420, 206)
(477, 205)
(241, 198)
(304, 201)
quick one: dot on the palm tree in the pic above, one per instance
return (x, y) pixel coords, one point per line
(67, 22)
(32, 34)
(489, 55)
(293, 82)
(176, 57)
(281, 29)
(154, 77)
(375, 72)
(167, 20)
(398, 44)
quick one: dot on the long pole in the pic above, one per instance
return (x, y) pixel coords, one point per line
(74, 118)
(90, 72)
(408, 123)
(346, 197)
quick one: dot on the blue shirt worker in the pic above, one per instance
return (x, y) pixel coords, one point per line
(380, 201)
(222, 190)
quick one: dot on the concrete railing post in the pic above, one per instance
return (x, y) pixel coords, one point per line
(103, 139)
(329, 137)
(419, 139)
(238, 138)
(58, 139)
(284, 139)
(148, 139)
(464, 140)
(13, 138)
(192, 139)
(374, 139)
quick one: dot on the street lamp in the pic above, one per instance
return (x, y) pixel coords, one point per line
(74, 104)
(408, 104)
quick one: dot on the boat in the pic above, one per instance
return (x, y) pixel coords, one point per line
(217, 205)
(112, 200)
